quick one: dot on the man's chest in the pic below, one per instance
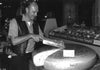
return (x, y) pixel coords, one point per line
(30, 27)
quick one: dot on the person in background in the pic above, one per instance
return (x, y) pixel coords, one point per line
(23, 33)
(61, 29)
(64, 27)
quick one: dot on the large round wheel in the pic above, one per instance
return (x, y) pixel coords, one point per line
(84, 59)
(52, 58)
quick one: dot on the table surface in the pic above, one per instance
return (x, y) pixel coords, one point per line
(80, 51)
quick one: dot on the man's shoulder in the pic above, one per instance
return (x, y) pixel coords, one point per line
(15, 19)
(12, 21)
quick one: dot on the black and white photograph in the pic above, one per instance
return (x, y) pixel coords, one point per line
(49, 34)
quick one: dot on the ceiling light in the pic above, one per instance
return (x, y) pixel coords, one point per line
(0, 3)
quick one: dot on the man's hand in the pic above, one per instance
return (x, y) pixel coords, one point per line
(36, 38)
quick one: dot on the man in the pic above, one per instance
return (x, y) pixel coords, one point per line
(23, 35)
(64, 27)
(61, 29)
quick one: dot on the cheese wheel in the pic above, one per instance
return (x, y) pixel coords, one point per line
(84, 58)
(42, 53)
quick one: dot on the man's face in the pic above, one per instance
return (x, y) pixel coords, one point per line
(32, 11)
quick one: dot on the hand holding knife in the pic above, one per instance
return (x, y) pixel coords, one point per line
(48, 41)
(52, 42)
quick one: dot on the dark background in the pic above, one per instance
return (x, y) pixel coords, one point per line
(85, 7)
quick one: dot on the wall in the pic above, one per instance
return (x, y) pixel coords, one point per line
(69, 13)
(97, 13)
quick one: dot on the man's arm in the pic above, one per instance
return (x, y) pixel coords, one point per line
(18, 40)
(13, 33)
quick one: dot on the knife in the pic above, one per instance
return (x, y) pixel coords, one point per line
(53, 42)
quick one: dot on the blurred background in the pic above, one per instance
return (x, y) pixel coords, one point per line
(64, 11)
(80, 10)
